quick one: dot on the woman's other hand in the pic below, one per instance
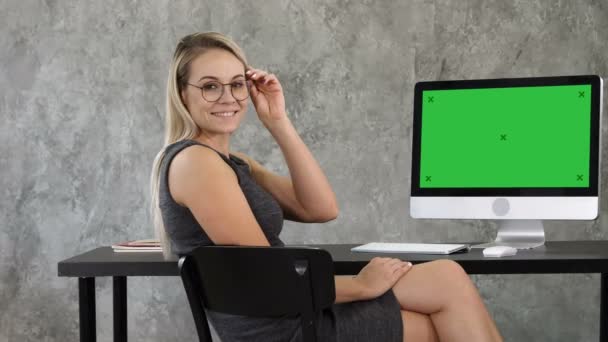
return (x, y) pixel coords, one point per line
(380, 275)
(267, 96)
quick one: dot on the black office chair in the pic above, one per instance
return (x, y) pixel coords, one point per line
(259, 282)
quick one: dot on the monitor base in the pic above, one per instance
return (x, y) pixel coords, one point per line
(520, 234)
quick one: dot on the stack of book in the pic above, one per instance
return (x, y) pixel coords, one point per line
(146, 245)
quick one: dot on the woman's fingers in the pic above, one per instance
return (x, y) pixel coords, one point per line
(395, 262)
(255, 74)
(381, 260)
(397, 267)
(261, 76)
(387, 261)
(381, 273)
(402, 268)
(269, 78)
(390, 265)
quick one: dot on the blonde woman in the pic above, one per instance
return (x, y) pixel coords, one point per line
(204, 193)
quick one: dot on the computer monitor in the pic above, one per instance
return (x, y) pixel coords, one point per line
(518, 150)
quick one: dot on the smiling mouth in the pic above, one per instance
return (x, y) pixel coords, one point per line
(224, 114)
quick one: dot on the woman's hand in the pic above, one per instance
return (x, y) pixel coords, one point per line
(267, 96)
(381, 274)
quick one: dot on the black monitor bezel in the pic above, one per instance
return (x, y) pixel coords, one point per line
(591, 191)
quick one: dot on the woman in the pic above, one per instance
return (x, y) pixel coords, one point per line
(204, 193)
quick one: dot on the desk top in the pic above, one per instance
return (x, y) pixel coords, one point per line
(553, 257)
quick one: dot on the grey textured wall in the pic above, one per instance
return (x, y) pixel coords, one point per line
(81, 102)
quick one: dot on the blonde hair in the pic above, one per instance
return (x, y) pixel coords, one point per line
(179, 124)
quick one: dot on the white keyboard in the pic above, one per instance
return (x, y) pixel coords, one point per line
(414, 248)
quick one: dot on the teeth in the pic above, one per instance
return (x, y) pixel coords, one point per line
(224, 114)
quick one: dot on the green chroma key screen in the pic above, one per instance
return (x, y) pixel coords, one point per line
(516, 137)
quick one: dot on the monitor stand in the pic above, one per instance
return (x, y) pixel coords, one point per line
(520, 234)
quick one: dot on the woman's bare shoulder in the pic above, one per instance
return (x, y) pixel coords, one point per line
(195, 156)
(195, 168)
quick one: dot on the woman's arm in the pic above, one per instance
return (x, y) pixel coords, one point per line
(310, 186)
(201, 181)
(348, 289)
(282, 189)
(307, 196)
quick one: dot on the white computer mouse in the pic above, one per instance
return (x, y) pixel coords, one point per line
(499, 251)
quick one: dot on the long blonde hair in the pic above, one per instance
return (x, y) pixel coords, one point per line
(179, 124)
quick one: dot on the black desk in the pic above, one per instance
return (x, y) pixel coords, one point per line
(554, 257)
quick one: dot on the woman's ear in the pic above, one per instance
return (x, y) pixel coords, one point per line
(182, 94)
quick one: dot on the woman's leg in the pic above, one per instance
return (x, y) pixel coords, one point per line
(419, 327)
(443, 291)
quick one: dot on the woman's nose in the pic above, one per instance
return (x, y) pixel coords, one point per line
(227, 96)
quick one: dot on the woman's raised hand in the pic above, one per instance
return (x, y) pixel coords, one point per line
(380, 275)
(267, 96)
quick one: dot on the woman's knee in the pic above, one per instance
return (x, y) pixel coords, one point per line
(451, 270)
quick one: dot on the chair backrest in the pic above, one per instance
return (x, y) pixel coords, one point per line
(258, 282)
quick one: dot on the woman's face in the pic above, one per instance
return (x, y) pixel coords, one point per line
(213, 115)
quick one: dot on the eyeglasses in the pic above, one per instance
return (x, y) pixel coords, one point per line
(213, 91)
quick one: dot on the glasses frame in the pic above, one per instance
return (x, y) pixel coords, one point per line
(223, 90)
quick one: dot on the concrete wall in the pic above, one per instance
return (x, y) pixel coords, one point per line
(82, 105)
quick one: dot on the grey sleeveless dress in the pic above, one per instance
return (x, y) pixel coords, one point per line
(378, 319)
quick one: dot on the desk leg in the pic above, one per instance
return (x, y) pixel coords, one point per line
(120, 309)
(604, 308)
(86, 299)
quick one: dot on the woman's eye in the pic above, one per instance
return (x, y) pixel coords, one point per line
(238, 84)
(210, 86)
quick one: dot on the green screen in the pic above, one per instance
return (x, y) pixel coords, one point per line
(532, 137)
